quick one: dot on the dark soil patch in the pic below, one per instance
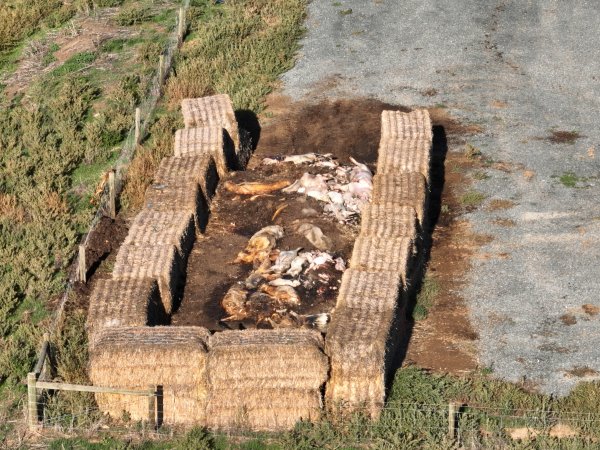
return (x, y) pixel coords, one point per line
(568, 319)
(581, 371)
(590, 310)
(563, 137)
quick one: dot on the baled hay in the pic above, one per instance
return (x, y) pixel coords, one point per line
(124, 302)
(213, 141)
(163, 228)
(161, 262)
(290, 358)
(361, 345)
(184, 170)
(213, 111)
(375, 254)
(262, 409)
(375, 291)
(388, 220)
(171, 198)
(142, 358)
(412, 155)
(404, 189)
(396, 125)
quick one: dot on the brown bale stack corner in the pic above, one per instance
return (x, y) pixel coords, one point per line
(213, 141)
(124, 302)
(161, 262)
(396, 125)
(265, 379)
(142, 357)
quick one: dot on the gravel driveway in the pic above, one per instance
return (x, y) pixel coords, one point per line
(529, 74)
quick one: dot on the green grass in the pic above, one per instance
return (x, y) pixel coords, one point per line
(472, 152)
(570, 179)
(472, 198)
(426, 297)
(346, 12)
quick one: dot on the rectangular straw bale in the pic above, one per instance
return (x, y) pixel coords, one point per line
(396, 125)
(413, 155)
(179, 172)
(404, 189)
(361, 345)
(161, 262)
(213, 141)
(213, 111)
(376, 291)
(140, 357)
(388, 220)
(124, 302)
(291, 358)
(262, 409)
(186, 198)
(163, 228)
(376, 254)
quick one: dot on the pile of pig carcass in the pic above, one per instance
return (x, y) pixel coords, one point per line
(268, 296)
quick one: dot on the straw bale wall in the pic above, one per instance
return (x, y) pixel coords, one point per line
(163, 228)
(213, 141)
(387, 220)
(161, 262)
(145, 357)
(216, 110)
(182, 171)
(360, 342)
(396, 125)
(378, 291)
(265, 379)
(376, 254)
(124, 302)
(404, 189)
(412, 155)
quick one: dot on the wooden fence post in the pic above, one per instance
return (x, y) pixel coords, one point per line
(181, 25)
(152, 407)
(32, 406)
(451, 420)
(161, 69)
(112, 195)
(138, 125)
(82, 265)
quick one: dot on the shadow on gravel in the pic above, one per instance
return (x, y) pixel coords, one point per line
(405, 321)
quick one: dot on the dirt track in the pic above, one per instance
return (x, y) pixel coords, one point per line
(527, 75)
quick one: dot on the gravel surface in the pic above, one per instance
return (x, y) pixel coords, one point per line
(521, 70)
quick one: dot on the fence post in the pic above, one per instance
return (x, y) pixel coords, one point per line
(82, 266)
(152, 406)
(451, 420)
(138, 125)
(112, 195)
(32, 401)
(181, 25)
(161, 69)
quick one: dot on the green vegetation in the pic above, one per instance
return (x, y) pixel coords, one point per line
(426, 297)
(569, 179)
(416, 417)
(472, 198)
(345, 12)
(472, 152)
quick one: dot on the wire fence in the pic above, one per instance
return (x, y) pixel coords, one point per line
(400, 424)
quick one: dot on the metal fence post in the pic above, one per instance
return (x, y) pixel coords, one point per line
(452, 420)
(32, 406)
(161, 69)
(181, 25)
(138, 125)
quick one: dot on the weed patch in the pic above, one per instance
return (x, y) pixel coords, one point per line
(426, 298)
(472, 199)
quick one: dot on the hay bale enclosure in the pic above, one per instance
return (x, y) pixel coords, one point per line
(319, 256)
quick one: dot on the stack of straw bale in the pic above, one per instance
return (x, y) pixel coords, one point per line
(363, 333)
(213, 141)
(265, 379)
(217, 111)
(142, 358)
(132, 302)
(160, 262)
